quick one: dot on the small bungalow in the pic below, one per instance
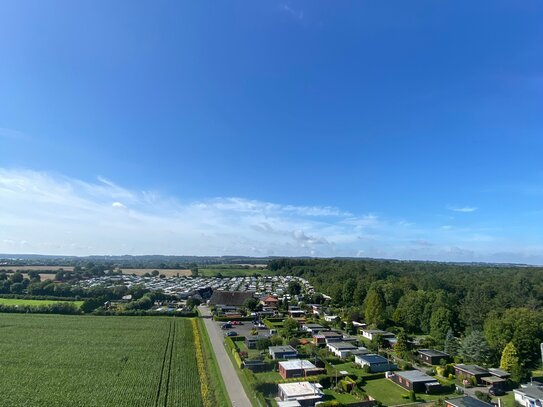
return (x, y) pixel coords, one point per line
(467, 401)
(330, 318)
(325, 337)
(373, 333)
(417, 381)
(469, 371)
(375, 363)
(529, 395)
(298, 368)
(305, 393)
(341, 349)
(432, 356)
(498, 378)
(282, 352)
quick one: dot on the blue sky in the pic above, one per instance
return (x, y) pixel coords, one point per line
(408, 130)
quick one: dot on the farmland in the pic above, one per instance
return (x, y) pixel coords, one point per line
(58, 360)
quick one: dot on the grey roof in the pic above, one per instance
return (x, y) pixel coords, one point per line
(468, 402)
(433, 353)
(342, 345)
(281, 349)
(472, 369)
(532, 390)
(313, 326)
(498, 372)
(416, 376)
(294, 364)
(373, 359)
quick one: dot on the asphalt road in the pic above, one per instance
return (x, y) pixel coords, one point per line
(228, 371)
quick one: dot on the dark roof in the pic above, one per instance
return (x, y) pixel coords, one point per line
(416, 376)
(499, 372)
(373, 359)
(468, 402)
(473, 370)
(342, 345)
(282, 349)
(233, 298)
(433, 353)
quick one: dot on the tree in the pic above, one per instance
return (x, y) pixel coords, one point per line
(474, 348)
(290, 327)
(263, 344)
(509, 360)
(251, 304)
(451, 345)
(400, 347)
(17, 277)
(34, 275)
(16, 288)
(440, 323)
(374, 308)
(294, 288)
(193, 302)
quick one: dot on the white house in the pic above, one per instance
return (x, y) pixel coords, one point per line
(529, 395)
(341, 349)
(372, 333)
(304, 392)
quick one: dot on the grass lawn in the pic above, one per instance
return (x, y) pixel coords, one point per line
(352, 368)
(251, 352)
(343, 398)
(389, 393)
(269, 377)
(507, 401)
(386, 392)
(19, 301)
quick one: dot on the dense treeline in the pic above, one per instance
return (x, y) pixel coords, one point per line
(487, 306)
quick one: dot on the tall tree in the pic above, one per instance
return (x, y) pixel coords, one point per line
(440, 323)
(374, 308)
(451, 345)
(474, 348)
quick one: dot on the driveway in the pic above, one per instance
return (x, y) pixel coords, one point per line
(228, 371)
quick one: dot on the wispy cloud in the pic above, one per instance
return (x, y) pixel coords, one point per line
(463, 209)
(297, 14)
(12, 134)
(50, 213)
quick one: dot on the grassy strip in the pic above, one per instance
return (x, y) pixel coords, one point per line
(221, 395)
(19, 301)
(245, 383)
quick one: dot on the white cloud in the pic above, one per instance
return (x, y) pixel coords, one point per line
(297, 14)
(54, 214)
(464, 209)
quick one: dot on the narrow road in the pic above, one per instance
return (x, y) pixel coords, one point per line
(228, 371)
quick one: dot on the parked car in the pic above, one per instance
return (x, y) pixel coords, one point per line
(226, 326)
(231, 333)
(496, 391)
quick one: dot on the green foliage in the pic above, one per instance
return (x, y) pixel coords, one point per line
(374, 308)
(440, 323)
(290, 327)
(521, 326)
(475, 349)
(451, 346)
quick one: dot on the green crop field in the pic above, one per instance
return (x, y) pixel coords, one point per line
(36, 303)
(61, 360)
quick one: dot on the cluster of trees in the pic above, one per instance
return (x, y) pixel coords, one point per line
(476, 312)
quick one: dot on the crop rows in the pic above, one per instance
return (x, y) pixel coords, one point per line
(54, 360)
